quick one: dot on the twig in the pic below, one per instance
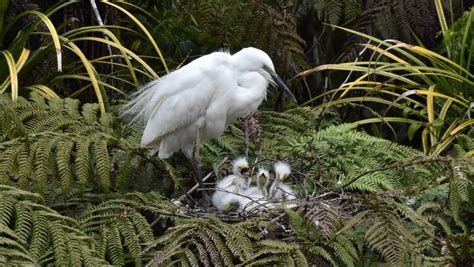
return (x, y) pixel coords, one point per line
(182, 197)
(247, 134)
(101, 23)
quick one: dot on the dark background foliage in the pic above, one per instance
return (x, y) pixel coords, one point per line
(77, 189)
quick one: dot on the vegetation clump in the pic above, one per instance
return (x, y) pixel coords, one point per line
(381, 144)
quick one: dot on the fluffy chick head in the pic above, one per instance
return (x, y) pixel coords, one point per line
(282, 170)
(240, 166)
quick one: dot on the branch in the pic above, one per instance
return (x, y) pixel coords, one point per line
(101, 23)
(182, 197)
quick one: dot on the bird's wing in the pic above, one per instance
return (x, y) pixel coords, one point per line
(182, 98)
(286, 190)
(226, 181)
(150, 95)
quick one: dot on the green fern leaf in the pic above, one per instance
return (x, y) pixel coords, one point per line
(102, 165)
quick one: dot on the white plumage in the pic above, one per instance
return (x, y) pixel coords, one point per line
(255, 196)
(284, 192)
(252, 195)
(280, 191)
(229, 188)
(199, 100)
(282, 170)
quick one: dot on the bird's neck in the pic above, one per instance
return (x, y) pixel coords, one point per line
(274, 186)
(251, 91)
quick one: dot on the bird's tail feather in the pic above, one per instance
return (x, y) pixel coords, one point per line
(139, 108)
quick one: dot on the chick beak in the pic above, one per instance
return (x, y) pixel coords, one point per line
(245, 172)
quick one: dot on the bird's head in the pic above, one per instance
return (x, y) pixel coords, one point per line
(254, 59)
(263, 176)
(282, 170)
(240, 167)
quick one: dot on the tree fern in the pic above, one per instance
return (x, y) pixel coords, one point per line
(460, 186)
(347, 156)
(59, 145)
(35, 234)
(122, 228)
(351, 211)
(236, 24)
(216, 243)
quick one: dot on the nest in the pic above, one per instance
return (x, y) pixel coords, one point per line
(322, 209)
(315, 208)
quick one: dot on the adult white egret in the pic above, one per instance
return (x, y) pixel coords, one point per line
(198, 101)
(228, 189)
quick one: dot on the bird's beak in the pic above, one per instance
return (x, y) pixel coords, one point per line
(283, 86)
(245, 171)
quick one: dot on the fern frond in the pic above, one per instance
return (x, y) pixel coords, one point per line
(83, 162)
(102, 163)
(35, 234)
(63, 161)
(59, 146)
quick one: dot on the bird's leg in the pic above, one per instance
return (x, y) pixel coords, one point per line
(197, 167)
(247, 134)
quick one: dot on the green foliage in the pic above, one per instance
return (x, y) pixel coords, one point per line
(209, 241)
(352, 183)
(204, 26)
(457, 240)
(32, 233)
(332, 231)
(55, 139)
(268, 133)
(319, 232)
(114, 231)
(459, 39)
(422, 88)
(394, 19)
(347, 159)
(324, 230)
(94, 58)
(120, 227)
(55, 144)
(362, 200)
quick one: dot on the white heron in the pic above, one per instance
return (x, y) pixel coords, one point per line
(279, 190)
(198, 101)
(255, 196)
(230, 187)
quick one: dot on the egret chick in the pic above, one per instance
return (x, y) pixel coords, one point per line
(229, 187)
(263, 180)
(260, 181)
(254, 196)
(278, 190)
(241, 168)
(198, 101)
